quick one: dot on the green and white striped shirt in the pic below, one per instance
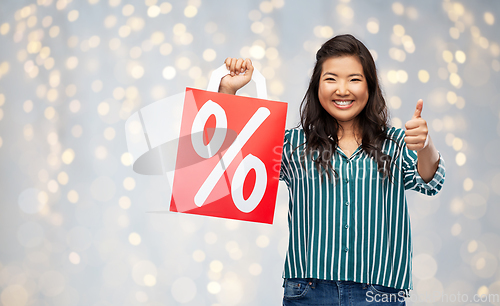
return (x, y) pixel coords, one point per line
(358, 227)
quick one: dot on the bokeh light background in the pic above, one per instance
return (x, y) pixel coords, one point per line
(76, 222)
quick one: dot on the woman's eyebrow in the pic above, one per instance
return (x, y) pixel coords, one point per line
(351, 75)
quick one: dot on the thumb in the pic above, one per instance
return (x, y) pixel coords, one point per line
(418, 109)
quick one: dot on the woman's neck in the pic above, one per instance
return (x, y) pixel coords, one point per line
(349, 130)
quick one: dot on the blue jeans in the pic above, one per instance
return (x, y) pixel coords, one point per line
(308, 291)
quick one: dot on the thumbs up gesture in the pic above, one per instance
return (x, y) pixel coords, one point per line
(416, 130)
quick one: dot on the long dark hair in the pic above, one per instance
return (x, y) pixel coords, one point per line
(321, 128)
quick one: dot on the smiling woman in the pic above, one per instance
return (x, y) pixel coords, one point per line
(348, 217)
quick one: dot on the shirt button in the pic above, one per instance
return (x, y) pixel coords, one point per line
(347, 226)
(346, 203)
(347, 181)
(346, 249)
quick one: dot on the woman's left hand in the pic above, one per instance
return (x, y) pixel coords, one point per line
(416, 130)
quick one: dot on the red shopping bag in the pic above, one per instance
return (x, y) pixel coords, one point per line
(229, 165)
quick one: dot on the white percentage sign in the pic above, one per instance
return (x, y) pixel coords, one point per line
(249, 162)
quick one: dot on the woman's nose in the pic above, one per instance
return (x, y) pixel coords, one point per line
(342, 90)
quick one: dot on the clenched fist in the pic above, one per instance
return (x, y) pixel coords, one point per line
(240, 73)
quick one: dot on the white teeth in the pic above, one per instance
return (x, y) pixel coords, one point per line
(342, 103)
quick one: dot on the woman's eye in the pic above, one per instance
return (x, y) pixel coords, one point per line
(330, 79)
(356, 80)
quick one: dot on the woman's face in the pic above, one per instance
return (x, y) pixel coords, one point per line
(343, 90)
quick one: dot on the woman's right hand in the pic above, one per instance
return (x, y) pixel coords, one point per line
(240, 73)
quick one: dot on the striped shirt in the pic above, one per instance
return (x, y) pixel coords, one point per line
(356, 228)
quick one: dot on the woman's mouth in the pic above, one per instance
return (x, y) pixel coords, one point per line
(343, 102)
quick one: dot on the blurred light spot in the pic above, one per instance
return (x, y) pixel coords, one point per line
(129, 183)
(96, 86)
(255, 269)
(76, 131)
(447, 56)
(216, 266)
(455, 80)
(74, 106)
(209, 55)
(126, 159)
(154, 11)
(460, 56)
(73, 15)
(399, 30)
(277, 87)
(101, 152)
(134, 239)
(50, 112)
(109, 133)
(72, 62)
(460, 159)
(398, 8)
(451, 97)
(257, 27)
(323, 31)
(372, 26)
(213, 287)
(118, 93)
(395, 102)
(468, 184)
(199, 256)
(27, 105)
(53, 186)
(489, 18)
(457, 144)
(114, 3)
(103, 108)
(190, 11)
(397, 54)
(425, 266)
(402, 76)
(74, 258)
(257, 52)
(183, 63)
(165, 8)
(157, 38)
(169, 72)
(28, 132)
(137, 71)
(253, 15)
(278, 3)
(211, 238)
(70, 90)
(483, 42)
(396, 122)
(128, 10)
(183, 290)
(4, 28)
(49, 63)
(266, 7)
(452, 67)
(73, 196)
(423, 76)
(231, 224)
(165, 49)
(149, 280)
(262, 241)
(392, 75)
(482, 291)
(14, 295)
(345, 11)
(110, 21)
(62, 178)
(456, 229)
(124, 202)
(124, 31)
(150, 2)
(179, 29)
(54, 31)
(484, 264)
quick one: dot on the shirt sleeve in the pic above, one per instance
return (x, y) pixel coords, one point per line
(413, 180)
(285, 159)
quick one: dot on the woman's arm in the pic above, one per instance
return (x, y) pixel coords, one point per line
(240, 73)
(418, 139)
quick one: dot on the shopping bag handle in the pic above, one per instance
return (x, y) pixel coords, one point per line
(219, 73)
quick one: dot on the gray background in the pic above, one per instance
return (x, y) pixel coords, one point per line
(57, 248)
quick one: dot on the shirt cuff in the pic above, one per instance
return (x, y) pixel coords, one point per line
(437, 181)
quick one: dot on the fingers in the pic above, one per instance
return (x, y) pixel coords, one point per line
(418, 109)
(237, 66)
